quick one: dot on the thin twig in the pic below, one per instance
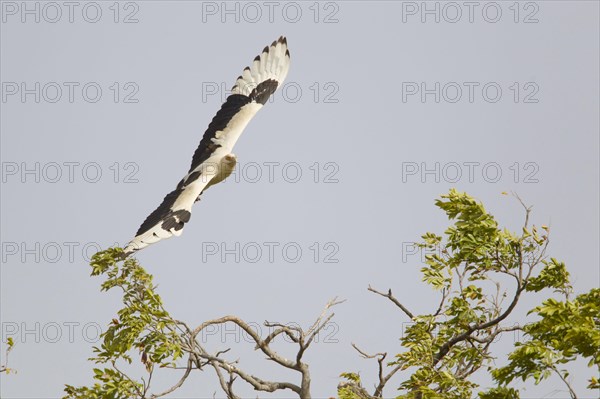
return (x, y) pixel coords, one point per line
(391, 297)
(571, 391)
(383, 379)
(188, 369)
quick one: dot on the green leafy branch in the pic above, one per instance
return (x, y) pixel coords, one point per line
(142, 325)
(466, 265)
(145, 326)
(566, 330)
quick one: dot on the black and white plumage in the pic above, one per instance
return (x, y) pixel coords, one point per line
(213, 161)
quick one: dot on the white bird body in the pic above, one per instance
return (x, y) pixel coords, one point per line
(213, 161)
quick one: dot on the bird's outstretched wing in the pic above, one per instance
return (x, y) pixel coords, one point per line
(250, 92)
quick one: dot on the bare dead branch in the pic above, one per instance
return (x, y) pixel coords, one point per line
(366, 355)
(256, 382)
(394, 300)
(383, 379)
(224, 368)
(316, 331)
(264, 347)
(186, 374)
(328, 306)
(227, 386)
(527, 208)
(287, 331)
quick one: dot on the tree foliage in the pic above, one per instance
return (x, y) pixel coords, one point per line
(466, 265)
(565, 330)
(143, 327)
(478, 270)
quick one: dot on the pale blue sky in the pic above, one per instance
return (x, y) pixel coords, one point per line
(122, 107)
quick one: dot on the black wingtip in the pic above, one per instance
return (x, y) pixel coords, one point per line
(257, 58)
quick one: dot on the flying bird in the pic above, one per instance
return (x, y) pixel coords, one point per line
(213, 160)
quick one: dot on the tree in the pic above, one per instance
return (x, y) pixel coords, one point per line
(468, 267)
(143, 325)
(445, 347)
